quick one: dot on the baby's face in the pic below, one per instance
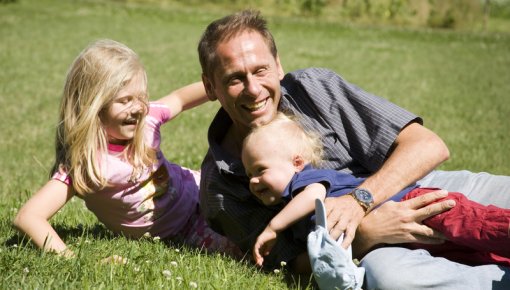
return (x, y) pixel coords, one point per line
(269, 171)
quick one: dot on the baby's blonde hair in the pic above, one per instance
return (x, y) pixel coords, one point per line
(291, 137)
(95, 77)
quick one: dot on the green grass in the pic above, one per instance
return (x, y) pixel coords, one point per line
(457, 81)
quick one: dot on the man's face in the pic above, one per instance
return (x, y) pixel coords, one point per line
(246, 80)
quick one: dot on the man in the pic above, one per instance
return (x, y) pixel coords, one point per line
(361, 133)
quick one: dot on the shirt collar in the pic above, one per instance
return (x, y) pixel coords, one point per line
(225, 162)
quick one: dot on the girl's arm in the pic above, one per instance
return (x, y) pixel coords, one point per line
(299, 207)
(185, 98)
(32, 218)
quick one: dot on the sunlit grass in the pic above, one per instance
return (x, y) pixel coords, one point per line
(458, 82)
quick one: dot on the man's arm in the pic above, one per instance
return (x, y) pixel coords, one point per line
(416, 152)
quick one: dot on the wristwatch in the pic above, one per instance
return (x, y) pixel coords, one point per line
(363, 197)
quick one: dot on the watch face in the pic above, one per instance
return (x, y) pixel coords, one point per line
(363, 196)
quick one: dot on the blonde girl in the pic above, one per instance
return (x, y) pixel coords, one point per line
(108, 153)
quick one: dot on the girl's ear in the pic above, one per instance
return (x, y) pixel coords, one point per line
(298, 162)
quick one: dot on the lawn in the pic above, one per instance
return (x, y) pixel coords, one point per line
(459, 82)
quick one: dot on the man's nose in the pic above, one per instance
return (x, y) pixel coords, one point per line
(253, 86)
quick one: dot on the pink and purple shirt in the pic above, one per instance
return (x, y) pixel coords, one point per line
(160, 202)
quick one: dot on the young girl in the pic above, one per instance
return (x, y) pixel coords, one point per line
(108, 153)
(278, 159)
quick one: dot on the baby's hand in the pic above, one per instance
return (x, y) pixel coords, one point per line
(115, 259)
(264, 245)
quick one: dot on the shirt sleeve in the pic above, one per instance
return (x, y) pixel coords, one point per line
(364, 124)
(159, 112)
(62, 176)
(307, 177)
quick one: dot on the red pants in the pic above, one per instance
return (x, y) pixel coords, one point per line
(476, 234)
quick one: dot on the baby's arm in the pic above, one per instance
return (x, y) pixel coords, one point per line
(32, 218)
(299, 207)
(185, 98)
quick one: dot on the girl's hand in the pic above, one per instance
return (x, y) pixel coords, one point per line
(264, 244)
(115, 259)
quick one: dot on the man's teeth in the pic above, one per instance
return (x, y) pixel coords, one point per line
(256, 106)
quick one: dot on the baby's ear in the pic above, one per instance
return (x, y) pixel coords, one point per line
(298, 162)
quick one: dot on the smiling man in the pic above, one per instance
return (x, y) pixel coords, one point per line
(361, 134)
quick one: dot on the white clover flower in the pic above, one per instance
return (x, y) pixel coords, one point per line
(167, 273)
(276, 271)
(147, 235)
(26, 270)
(15, 245)
(173, 263)
(156, 239)
(193, 284)
(283, 264)
(177, 250)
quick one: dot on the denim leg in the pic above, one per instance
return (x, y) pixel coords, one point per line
(400, 268)
(481, 187)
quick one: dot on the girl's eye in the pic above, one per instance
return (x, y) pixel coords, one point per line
(124, 100)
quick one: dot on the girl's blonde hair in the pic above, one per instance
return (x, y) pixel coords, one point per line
(291, 137)
(93, 80)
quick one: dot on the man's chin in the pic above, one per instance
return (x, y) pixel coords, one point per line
(262, 120)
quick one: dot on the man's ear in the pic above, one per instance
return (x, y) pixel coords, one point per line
(279, 67)
(298, 162)
(209, 90)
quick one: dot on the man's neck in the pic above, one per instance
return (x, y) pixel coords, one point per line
(233, 141)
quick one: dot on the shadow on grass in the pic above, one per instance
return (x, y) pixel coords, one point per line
(97, 231)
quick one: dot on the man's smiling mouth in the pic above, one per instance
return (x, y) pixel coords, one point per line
(255, 106)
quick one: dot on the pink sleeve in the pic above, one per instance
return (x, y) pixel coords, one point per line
(62, 176)
(160, 112)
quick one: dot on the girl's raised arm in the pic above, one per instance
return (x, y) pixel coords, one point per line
(32, 218)
(185, 98)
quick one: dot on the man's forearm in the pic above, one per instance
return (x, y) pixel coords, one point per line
(416, 152)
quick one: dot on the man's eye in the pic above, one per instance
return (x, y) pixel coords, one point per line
(234, 81)
(261, 71)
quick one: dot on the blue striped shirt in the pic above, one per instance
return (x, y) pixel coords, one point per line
(357, 130)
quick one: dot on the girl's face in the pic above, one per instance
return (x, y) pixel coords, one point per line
(121, 118)
(269, 170)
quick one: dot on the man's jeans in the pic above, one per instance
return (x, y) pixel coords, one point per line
(401, 268)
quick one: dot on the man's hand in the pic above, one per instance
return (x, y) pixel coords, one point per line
(344, 216)
(401, 222)
(264, 244)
